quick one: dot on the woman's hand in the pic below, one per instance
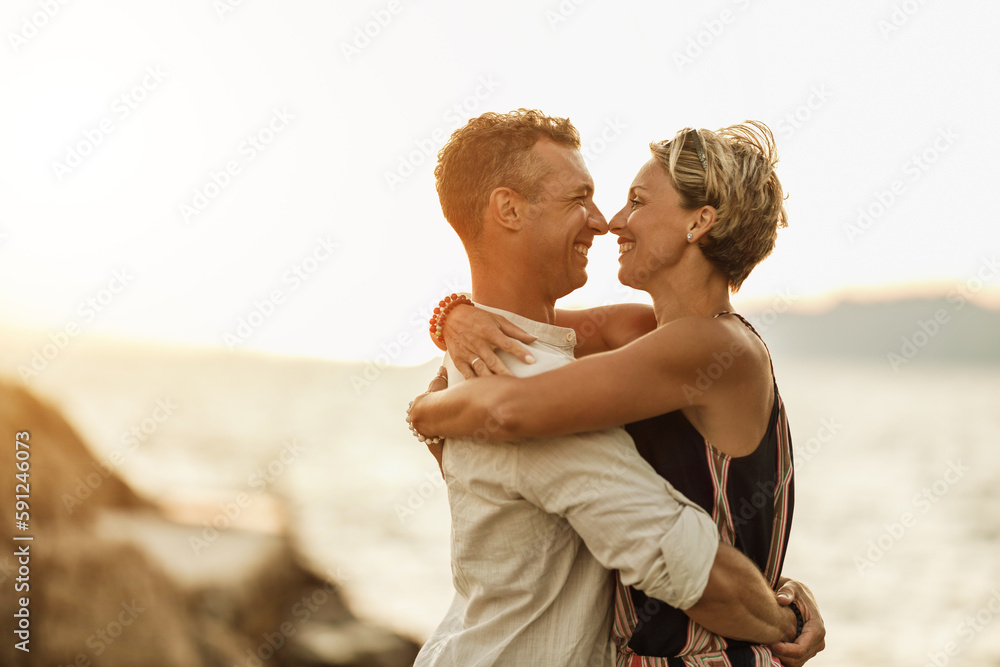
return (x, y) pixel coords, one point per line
(813, 637)
(439, 382)
(472, 335)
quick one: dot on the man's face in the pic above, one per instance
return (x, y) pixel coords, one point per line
(564, 221)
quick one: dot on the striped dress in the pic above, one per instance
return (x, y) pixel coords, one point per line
(749, 497)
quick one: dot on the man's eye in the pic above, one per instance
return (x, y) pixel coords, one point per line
(633, 202)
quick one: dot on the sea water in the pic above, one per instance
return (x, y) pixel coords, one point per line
(897, 517)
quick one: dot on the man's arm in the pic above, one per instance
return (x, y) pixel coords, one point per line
(738, 603)
(632, 520)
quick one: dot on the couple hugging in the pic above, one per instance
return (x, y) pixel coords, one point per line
(577, 542)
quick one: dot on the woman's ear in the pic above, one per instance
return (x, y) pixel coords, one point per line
(701, 223)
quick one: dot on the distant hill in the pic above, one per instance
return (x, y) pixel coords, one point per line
(917, 330)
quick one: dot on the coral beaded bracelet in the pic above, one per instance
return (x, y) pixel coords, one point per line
(442, 310)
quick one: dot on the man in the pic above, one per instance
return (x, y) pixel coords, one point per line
(537, 529)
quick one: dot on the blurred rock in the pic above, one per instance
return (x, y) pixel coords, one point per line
(114, 582)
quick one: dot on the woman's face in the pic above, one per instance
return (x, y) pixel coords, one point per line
(652, 227)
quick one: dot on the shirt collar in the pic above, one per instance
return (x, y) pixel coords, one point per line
(549, 334)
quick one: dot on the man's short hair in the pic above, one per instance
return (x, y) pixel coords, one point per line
(492, 151)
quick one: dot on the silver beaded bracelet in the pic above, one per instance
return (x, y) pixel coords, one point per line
(426, 439)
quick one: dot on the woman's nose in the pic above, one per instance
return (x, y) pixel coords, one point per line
(618, 221)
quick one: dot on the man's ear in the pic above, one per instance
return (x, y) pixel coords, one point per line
(701, 223)
(508, 208)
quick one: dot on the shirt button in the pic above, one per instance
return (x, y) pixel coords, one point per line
(569, 337)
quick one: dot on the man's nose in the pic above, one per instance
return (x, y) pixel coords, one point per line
(596, 220)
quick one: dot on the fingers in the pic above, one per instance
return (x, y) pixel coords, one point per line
(485, 361)
(489, 364)
(465, 369)
(788, 650)
(514, 331)
(505, 338)
(795, 591)
(786, 594)
(812, 640)
(790, 655)
(521, 352)
(808, 644)
(474, 337)
(440, 381)
(789, 662)
(482, 361)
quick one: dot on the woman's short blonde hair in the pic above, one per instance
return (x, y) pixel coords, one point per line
(731, 170)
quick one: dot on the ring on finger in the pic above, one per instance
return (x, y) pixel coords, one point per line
(472, 364)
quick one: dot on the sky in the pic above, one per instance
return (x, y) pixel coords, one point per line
(258, 175)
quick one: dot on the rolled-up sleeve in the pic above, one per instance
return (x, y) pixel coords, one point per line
(631, 519)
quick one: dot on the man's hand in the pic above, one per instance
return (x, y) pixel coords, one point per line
(439, 382)
(472, 335)
(813, 637)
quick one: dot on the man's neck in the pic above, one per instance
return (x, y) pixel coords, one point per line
(514, 294)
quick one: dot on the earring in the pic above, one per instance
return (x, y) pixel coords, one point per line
(690, 236)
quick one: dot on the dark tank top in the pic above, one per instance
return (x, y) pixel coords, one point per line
(750, 498)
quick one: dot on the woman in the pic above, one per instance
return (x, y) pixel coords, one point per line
(698, 392)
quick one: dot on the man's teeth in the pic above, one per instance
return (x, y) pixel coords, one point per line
(625, 247)
(580, 248)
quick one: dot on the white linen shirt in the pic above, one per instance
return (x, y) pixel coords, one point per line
(538, 525)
